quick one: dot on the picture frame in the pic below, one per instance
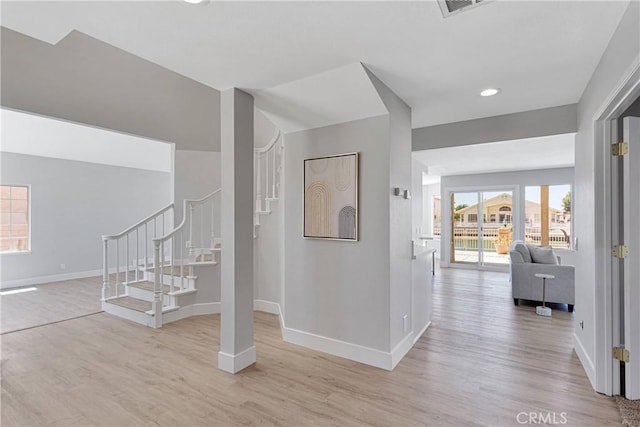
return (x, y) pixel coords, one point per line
(331, 191)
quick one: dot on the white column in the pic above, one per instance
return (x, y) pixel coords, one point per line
(237, 350)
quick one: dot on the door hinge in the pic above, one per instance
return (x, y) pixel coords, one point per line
(619, 148)
(621, 354)
(620, 251)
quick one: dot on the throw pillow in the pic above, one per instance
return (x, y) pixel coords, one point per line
(542, 254)
(524, 251)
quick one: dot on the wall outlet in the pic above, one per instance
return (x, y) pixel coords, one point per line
(405, 323)
(63, 266)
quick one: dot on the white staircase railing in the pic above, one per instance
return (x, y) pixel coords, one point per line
(268, 167)
(197, 234)
(135, 245)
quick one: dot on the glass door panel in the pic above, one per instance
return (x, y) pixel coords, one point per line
(497, 227)
(464, 226)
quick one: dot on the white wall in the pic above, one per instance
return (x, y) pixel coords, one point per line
(620, 54)
(337, 289)
(72, 204)
(508, 181)
(35, 135)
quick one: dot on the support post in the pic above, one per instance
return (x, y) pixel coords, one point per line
(237, 350)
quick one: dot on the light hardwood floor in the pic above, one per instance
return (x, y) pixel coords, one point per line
(481, 362)
(51, 302)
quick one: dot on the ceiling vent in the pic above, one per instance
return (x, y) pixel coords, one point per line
(453, 7)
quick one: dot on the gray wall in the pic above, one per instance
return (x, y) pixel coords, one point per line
(528, 124)
(84, 80)
(268, 255)
(622, 50)
(400, 237)
(197, 173)
(72, 205)
(340, 289)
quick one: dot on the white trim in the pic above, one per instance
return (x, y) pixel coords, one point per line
(191, 310)
(129, 314)
(401, 350)
(234, 363)
(41, 280)
(587, 364)
(370, 356)
(421, 333)
(358, 353)
(266, 306)
(618, 100)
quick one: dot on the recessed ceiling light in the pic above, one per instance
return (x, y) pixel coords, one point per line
(194, 1)
(490, 92)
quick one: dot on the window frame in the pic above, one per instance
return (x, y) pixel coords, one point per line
(29, 210)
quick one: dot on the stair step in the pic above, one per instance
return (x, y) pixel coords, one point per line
(148, 286)
(131, 303)
(166, 270)
(197, 263)
(263, 212)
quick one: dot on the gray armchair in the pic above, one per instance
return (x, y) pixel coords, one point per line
(526, 261)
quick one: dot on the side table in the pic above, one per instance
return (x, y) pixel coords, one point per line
(543, 310)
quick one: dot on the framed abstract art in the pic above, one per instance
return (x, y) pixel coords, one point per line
(331, 197)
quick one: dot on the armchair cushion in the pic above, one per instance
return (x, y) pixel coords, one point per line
(542, 255)
(519, 248)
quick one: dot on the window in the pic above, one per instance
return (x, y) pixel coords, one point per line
(14, 218)
(492, 218)
(472, 218)
(548, 215)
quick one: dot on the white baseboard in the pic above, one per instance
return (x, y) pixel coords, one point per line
(587, 363)
(401, 350)
(369, 356)
(421, 333)
(266, 306)
(234, 363)
(191, 310)
(5, 284)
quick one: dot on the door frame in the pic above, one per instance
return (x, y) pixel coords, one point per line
(516, 217)
(607, 308)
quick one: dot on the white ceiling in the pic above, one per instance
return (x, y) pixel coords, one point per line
(337, 96)
(540, 53)
(521, 154)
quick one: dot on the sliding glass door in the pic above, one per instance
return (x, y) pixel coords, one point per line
(481, 227)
